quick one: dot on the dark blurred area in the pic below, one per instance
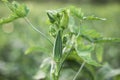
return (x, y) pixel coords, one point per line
(16, 37)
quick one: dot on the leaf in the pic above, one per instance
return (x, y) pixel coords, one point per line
(105, 39)
(84, 52)
(52, 15)
(76, 62)
(53, 30)
(58, 47)
(32, 49)
(76, 12)
(10, 18)
(90, 33)
(64, 20)
(55, 15)
(18, 11)
(99, 52)
(72, 26)
(88, 59)
(93, 18)
(59, 20)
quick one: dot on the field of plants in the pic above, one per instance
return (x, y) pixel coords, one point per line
(59, 41)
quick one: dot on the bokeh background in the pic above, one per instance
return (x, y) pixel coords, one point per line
(16, 37)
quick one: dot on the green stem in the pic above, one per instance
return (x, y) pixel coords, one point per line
(34, 28)
(81, 67)
(54, 71)
(57, 70)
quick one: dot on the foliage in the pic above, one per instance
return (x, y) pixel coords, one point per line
(18, 11)
(84, 42)
(71, 39)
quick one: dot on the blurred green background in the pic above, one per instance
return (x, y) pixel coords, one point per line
(17, 37)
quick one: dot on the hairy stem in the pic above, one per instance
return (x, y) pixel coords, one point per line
(34, 28)
(81, 67)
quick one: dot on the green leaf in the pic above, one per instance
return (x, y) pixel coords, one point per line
(76, 12)
(10, 18)
(52, 15)
(90, 33)
(58, 47)
(53, 30)
(18, 11)
(33, 49)
(88, 59)
(89, 69)
(105, 39)
(59, 20)
(93, 18)
(99, 52)
(72, 26)
(64, 20)
(84, 52)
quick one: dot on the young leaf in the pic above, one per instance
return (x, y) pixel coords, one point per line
(59, 19)
(52, 15)
(64, 20)
(53, 30)
(77, 12)
(18, 11)
(55, 16)
(58, 47)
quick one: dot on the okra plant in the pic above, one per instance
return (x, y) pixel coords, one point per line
(71, 38)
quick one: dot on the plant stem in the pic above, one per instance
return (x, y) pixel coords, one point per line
(34, 28)
(54, 74)
(81, 67)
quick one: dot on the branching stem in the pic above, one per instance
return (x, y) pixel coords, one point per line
(34, 28)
